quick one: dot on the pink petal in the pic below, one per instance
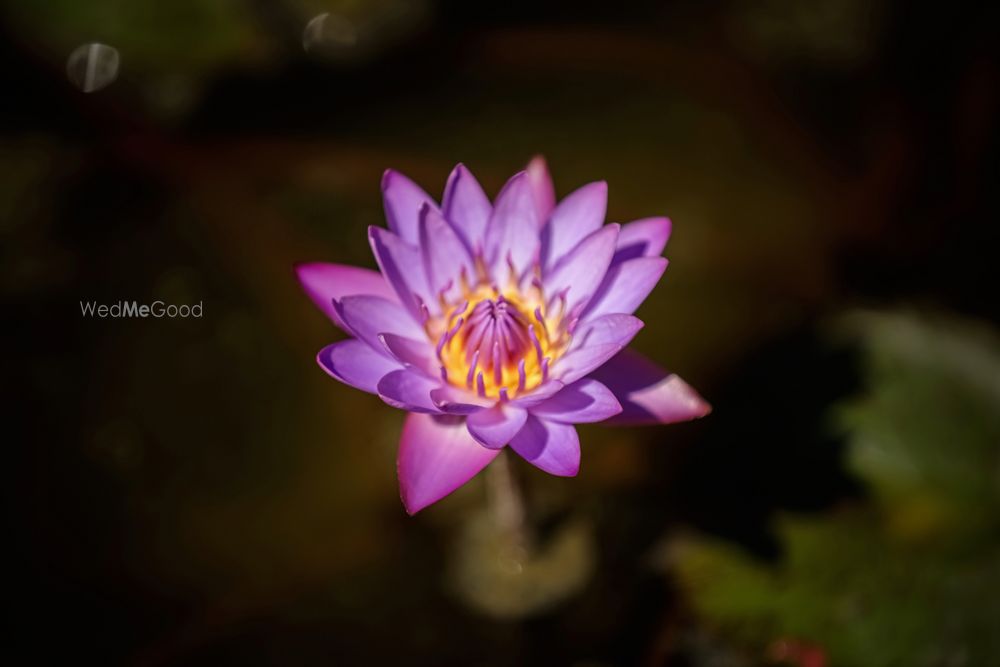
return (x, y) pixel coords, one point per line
(436, 456)
(402, 266)
(626, 286)
(649, 394)
(356, 364)
(583, 269)
(512, 232)
(408, 390)
(551, 446)
(542, 190)
(403, 199)
(325, 282)
(369, 316)
(585, 400)
(599, 340)
(466, 207)
(643, 238)
(579, 214)
(444, 254)
(494, 427)
(411, 352)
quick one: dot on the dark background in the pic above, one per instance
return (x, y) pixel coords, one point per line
(199, 492)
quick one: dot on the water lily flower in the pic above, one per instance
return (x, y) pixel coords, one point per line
(498, 324)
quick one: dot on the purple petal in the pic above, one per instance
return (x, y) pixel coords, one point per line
(579, 214)
(543, 192)
(436, 456)
(649, 394)
(617, 328)
(466, 207)
(402, 266)
(538, 394)
(444, 254)
(403, 200)
(512, 232)
(325, 282)
(495, 426)
(585, 400)
(599, 340)
(455, 401)
(642, 238)
(626, 286)
(354, 363)
(551, 446)
(408, 390)
(411, 352)
(583, 269)
(369, 316)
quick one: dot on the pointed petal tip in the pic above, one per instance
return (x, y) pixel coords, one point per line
(299, 270)
(436, 456)
(649, 394)
(539, 167)
(387, 177)
(513, 180)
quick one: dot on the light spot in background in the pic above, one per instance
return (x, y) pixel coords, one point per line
(92, 67)
(360, 31)
(329, 31)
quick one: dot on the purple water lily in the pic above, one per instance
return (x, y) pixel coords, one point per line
(498, 324)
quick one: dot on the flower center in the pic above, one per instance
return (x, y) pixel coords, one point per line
(499, 344)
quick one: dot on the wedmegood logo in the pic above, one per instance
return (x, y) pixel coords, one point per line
(125, 309)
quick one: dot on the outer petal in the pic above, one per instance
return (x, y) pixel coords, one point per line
(616, 328)
(325, 282)
(512, 232)
(356, 364)
(579, 214)
(626, 286)
(600, 340)
(543, 191)
(411, 352)
(494, 427)
(538, 394)
(402, 266)
(368, 316)
(454, 401)
(648, 394)
(403, 199)
(436, 456)
(466, 207)
(642, 238)
(551, 446)
(585, 400)
(408, 390)
(583, 269)
(443, 253)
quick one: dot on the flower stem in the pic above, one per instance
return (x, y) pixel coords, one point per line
(505, 500)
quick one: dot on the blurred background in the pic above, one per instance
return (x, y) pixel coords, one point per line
(199, 492)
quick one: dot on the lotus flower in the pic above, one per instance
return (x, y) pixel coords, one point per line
(498, 324)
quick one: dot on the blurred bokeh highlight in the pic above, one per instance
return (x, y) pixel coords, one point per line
(198, 491)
